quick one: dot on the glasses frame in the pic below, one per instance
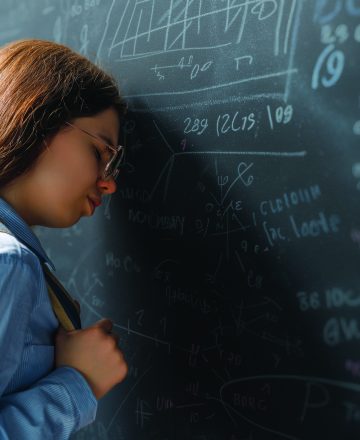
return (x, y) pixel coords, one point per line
(118, 154)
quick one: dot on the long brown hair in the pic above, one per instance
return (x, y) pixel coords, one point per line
(42, 85)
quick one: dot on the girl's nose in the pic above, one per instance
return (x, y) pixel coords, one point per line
(107, 186)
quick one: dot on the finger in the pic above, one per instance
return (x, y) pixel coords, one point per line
(106, 324)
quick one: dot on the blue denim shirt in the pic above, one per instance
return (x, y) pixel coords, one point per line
(37, 401)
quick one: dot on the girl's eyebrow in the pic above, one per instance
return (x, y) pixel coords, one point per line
(105, 138)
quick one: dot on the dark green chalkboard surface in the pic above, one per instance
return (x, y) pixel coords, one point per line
(229, 258)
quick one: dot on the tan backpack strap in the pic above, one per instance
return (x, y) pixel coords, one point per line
(65, 308)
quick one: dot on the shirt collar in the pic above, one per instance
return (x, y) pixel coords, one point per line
(22, 231)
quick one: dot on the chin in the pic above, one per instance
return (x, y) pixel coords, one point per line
(62, 223)
(72, 222)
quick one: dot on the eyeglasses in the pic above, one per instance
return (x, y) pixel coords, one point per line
(111, 169)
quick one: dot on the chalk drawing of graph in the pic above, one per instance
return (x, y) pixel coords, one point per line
(209, 45)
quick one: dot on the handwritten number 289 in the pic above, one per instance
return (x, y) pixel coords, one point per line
(334, 63)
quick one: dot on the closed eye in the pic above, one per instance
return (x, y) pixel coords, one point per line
(97, 154)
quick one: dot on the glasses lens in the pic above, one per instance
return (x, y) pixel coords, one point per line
(111, 168)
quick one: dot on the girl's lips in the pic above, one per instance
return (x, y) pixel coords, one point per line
(96, 202)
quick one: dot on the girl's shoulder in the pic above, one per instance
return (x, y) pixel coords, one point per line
(13, 251)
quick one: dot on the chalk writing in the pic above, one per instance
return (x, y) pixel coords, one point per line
(335, 63)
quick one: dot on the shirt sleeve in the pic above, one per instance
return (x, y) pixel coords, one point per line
(59, 403)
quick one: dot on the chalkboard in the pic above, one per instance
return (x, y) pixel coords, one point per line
(229, 257)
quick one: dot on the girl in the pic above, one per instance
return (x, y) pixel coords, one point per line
(59, 128)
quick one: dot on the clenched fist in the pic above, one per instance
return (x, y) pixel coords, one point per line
(94, 352)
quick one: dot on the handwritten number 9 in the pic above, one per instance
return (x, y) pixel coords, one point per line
(334, 61)
(198, 126)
